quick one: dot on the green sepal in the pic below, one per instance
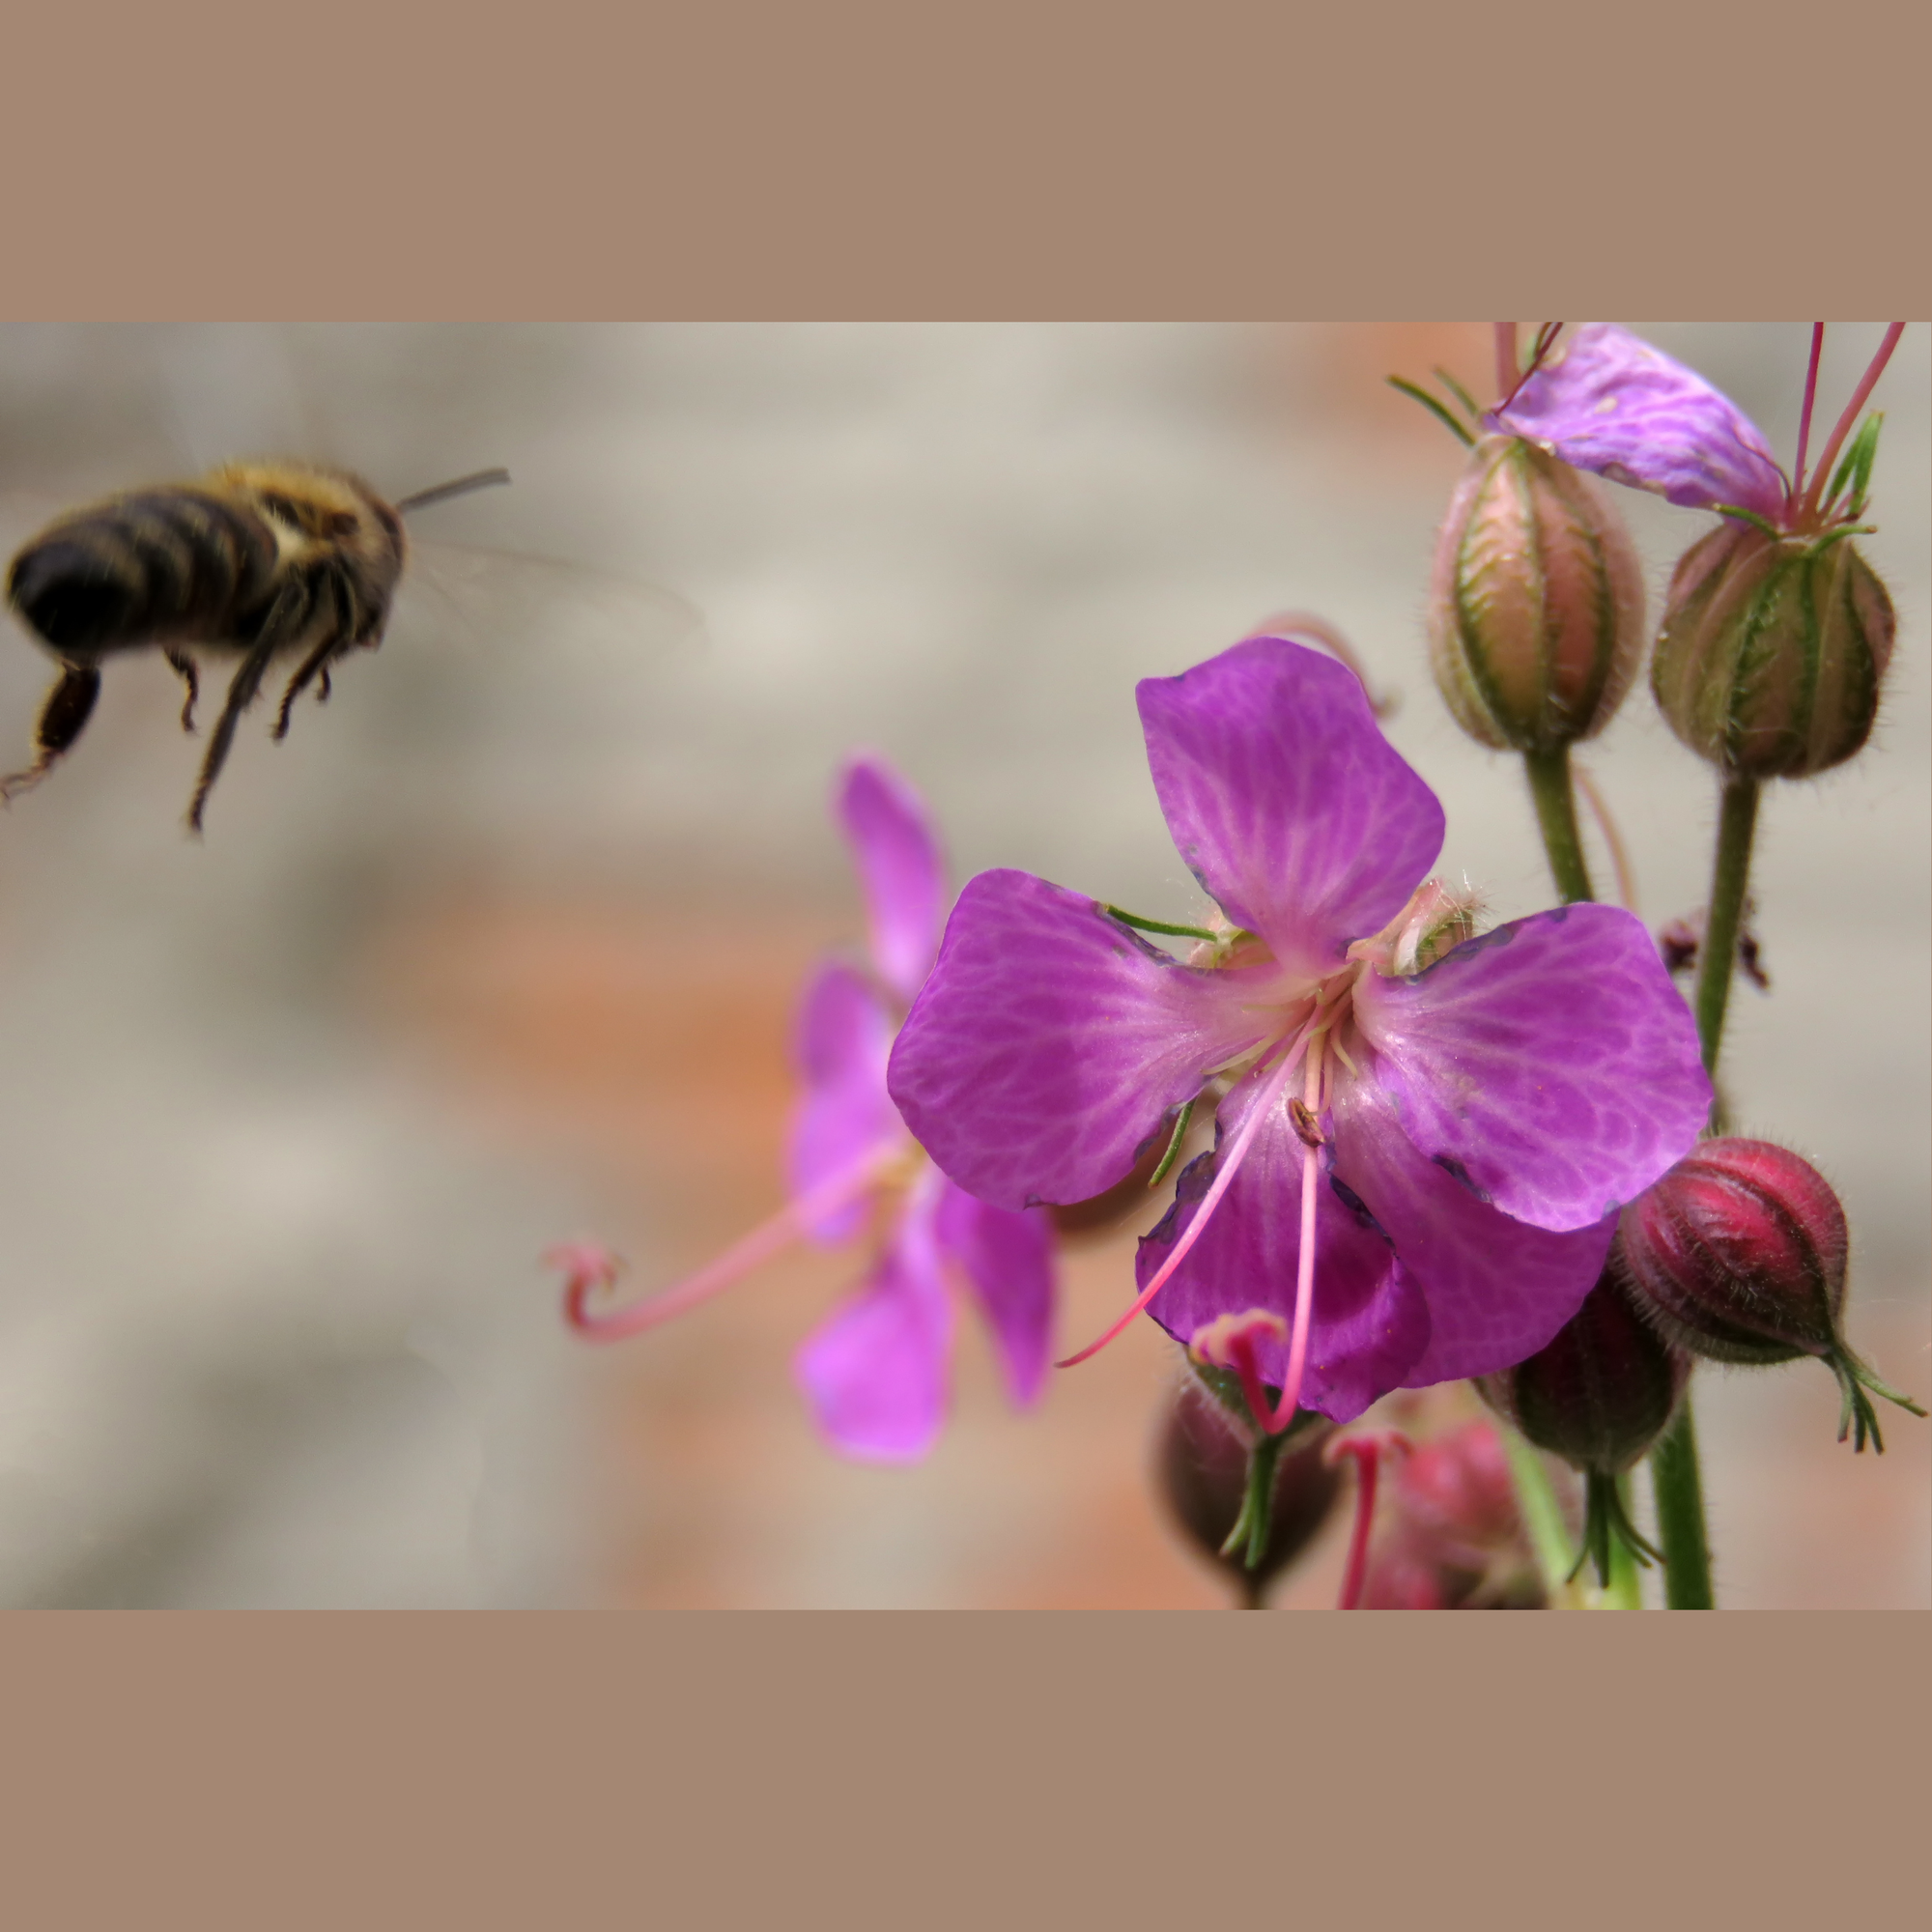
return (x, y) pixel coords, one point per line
(1857, 1417)
(1159, 925)
(1181, 1123)
(1856, 466)
(1751, 517)
(1436, 410)
(1461, 394)
(1604, 1518)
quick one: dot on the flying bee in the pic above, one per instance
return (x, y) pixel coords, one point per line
(260, 559)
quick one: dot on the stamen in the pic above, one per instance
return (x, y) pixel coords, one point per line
(1367, 1450)
(769, 1238)
(1865, 386)
(1228, 1341)
(1236, 1153)
(1805, 414)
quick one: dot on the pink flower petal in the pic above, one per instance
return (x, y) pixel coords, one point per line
(1049, 1043)
(842, 1040)
(1550, 1064)
(875, 1373)
(1007, 1258)
(1287, 802)
(901, 871)
(1611, 404)
(1369, 1323)
(1497, 1288)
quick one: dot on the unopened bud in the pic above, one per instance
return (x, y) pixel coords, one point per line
(1738, 1254)
(1201, 1467)
(1536, 602)
(1454, 1538)
(1598, 1396)
(1772, 651)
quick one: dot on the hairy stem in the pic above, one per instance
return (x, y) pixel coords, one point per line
(1730, 874)
(1557, 818)
(1679, 1490)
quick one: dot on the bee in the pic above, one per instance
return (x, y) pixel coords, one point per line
(260, 559)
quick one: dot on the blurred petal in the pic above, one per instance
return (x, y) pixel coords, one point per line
(1369, 1323)
(1287, 802)
(1008, 1257)
(842, 1040)
(1497, 1288)
(899, 869)
(1613, 405)
(875, 1373)
(1550, 1064)
(1049, 1043)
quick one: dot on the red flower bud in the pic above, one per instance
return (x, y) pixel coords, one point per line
(1201, 1467)
(1738, 1254)
(1598, 1396)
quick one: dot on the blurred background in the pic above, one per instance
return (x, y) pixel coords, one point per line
(502, 946)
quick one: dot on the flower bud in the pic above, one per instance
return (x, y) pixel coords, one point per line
(1738, 1254)
(1772, 650)
(1536, 601)
(1598, 1396)
(1601, 1392)
(1454, 1538)
(1202, 1465)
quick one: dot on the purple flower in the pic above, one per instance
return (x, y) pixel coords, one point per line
(876, 1372)
(1609, 403)
(1418, 1166)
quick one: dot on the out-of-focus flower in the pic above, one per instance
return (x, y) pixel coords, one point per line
(1776, 634)
(1738, 1254)
(876, 1373)
(1451, 1537)
(1422, 1144)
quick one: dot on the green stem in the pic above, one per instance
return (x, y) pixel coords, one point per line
(1679, 1490)
(1249, 1537)
(1541, 1515)
(1730, 874)
(1556, 817)
(1624, 1591)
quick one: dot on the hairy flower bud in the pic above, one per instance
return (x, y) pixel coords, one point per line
(1772, 650)
(1536, 601)
(1738, 1254)
(1598, 1396)
(1201, 1467)
(1454, 1538)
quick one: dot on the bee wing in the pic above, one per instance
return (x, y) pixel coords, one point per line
(498, 600)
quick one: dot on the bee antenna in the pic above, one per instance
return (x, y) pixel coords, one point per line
(460, 486)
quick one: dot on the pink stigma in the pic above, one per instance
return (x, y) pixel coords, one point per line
(1368, 1448)
(593, 1269)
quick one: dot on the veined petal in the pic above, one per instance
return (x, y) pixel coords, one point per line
(1369, 1323)
(1497, 1288)
(1049, 1043)
(1613, 405)
(1287, 803)
(842, 1040)
(1007, 1258)
(900, 870)
(1549, 1064)
(875, 1373)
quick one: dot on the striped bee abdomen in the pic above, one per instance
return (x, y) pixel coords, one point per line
(159, 565)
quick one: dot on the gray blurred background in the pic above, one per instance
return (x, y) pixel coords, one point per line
(498, 945)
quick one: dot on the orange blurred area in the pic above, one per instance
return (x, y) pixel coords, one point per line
(651, 1048)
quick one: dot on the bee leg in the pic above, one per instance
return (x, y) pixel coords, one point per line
(185, 666)
(314, 664)
(284, 622)
(62, 717)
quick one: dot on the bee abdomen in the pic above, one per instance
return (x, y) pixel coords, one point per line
(158, 565)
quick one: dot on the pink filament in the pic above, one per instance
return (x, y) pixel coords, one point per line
(1804, 415)
(1869, 381)
(1236, 1153)
(767, 1239)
